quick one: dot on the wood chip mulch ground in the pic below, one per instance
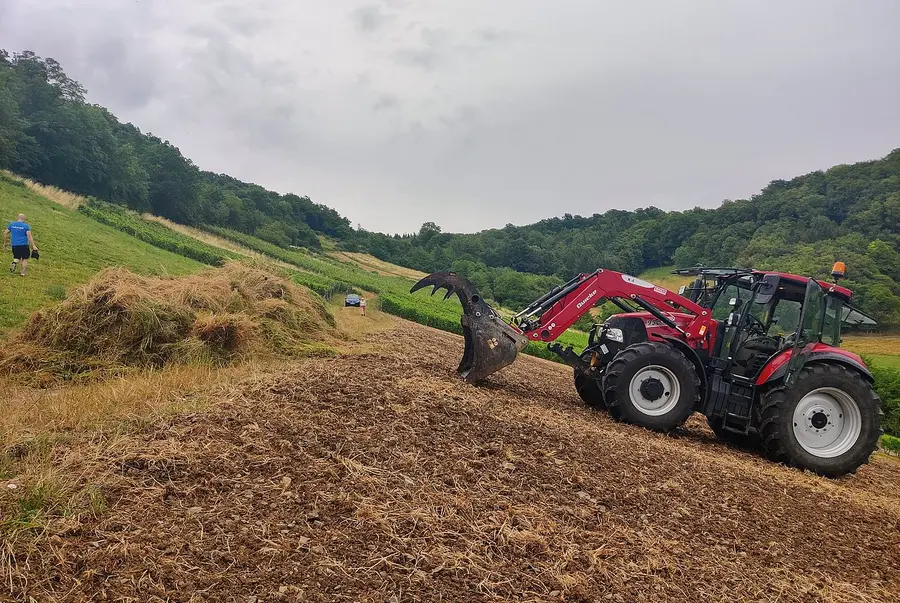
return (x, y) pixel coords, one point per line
(383, 477)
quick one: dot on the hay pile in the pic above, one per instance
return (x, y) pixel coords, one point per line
(121, 319)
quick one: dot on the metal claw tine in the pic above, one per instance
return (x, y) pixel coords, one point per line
(449, 293)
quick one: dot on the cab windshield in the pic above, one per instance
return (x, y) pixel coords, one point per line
(779, 315)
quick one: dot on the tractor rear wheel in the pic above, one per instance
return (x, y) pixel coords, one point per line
(651, 384)
(587, 387)
(829, 422)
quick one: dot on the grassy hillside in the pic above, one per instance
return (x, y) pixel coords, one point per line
(73, 249)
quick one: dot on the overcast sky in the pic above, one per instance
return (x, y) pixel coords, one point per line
(477, 113)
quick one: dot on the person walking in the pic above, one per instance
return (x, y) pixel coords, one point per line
(22, 243)
(362, 306)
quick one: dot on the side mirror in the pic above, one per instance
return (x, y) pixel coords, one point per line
(735, 302)
(682, 289)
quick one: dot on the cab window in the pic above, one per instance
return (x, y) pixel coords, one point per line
(831, 334)
(785, 317)
(721, 308)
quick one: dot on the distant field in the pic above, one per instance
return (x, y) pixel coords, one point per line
(664, 278)
(875, 345)
(371, 263)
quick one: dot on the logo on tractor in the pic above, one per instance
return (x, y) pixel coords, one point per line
(586, 299)
(636, 281)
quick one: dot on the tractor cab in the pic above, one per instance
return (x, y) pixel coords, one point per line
(765, 314)
(770, 325)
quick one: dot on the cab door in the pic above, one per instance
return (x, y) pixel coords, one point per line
(809, 329)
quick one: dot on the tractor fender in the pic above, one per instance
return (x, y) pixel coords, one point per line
(691, 355)
(777, 367)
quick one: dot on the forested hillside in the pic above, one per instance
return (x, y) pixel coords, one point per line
(849, 213)
(50, 134)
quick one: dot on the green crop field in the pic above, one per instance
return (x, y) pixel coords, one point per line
(886, 361)
(73, 248)
(156, 234)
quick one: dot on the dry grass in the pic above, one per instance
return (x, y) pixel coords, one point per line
(382, 477)
(203, 236)
(58, 196)
(54, 473)
(888, 345)
(120, 319)
(28, 412)
(221, 243)
(371, 263)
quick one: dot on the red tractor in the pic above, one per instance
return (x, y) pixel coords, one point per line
(754, 351)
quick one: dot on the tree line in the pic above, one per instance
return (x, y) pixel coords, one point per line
(848, 213)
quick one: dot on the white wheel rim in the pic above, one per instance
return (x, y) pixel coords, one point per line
(827, 422)
(671, 390)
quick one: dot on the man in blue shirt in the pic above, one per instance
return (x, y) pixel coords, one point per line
(21, 239)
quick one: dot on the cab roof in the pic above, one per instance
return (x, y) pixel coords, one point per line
(723, 272)
(803, 280)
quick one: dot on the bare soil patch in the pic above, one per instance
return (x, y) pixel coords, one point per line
(381, 477)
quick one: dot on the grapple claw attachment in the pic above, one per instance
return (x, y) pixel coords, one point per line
(490, 343)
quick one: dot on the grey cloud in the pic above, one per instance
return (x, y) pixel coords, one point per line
(369, 18)
(433, 48)
(386, 101)
(491, 35)
(423, 58)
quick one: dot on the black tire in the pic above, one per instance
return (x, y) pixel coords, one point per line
(642, 357)
(750, 440)
(589, 388)
(777, 427)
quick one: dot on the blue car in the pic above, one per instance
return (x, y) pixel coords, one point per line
(352, 299)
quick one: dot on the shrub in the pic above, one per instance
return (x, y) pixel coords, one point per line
(889, 442)
(887, 386)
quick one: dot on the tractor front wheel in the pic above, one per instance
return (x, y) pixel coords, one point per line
(829, 422)
(588, 388)
(651, 384)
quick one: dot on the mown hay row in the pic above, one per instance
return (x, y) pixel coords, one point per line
(121, 319)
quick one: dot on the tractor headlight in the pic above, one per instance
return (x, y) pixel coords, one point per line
(615, 335)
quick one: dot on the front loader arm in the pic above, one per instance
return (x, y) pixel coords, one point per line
(549, 316)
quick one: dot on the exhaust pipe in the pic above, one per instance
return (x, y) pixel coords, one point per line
(491, 343)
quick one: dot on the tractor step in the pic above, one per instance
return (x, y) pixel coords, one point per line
(736, 423)
(732, 401)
